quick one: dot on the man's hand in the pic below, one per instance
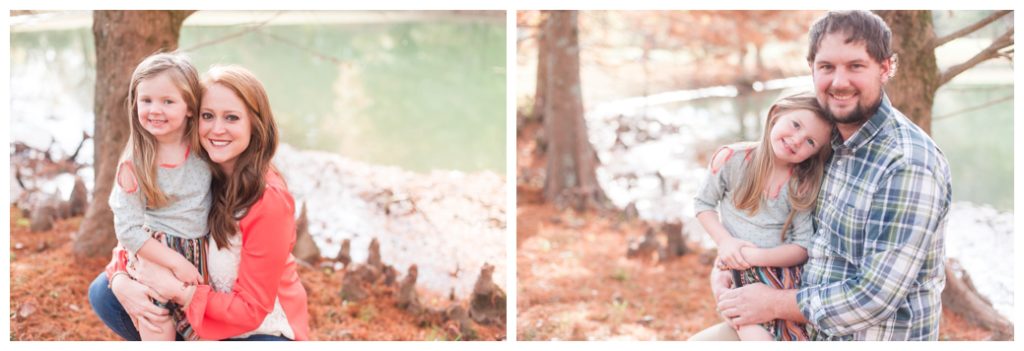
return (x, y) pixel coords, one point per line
(750, 304)
(721, 282)
(730, 255)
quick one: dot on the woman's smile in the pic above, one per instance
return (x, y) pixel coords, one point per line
(225, 126)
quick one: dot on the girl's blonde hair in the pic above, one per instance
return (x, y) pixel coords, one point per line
(234, 193)
(141, 147)
(807, 175)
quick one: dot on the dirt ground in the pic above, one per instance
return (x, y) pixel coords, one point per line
(49, 297)
(575, 282)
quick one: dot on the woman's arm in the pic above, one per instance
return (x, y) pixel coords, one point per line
(785, 255)
(268, 235)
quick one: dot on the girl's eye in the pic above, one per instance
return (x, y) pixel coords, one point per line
(810, 142)
(168, 102)
(206, 115)
(232, 118)
(796, 125)
(144, 100)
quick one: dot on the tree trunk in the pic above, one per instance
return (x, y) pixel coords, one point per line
(541, 89)
(123, 39)
(962, 298)
(912, 90)
(571, 161)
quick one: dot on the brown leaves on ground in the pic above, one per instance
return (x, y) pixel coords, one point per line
(49, 297)
(575, 283)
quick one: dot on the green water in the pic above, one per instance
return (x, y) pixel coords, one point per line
(978, 143)
(420, 95)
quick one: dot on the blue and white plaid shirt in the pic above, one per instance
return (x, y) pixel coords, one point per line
(875, 265)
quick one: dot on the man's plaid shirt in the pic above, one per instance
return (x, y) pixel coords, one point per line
(875, 264)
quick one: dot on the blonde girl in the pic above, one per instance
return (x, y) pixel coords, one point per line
(757, 199)
(161, 197)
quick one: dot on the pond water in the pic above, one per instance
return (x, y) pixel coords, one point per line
(659, 159)
(421, 93)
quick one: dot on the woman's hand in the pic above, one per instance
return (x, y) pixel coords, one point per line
(135, 298)
(160, 279)
(730, 255)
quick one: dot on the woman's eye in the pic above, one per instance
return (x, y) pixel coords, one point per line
(206, 115)
(796, 125)
(232, 118)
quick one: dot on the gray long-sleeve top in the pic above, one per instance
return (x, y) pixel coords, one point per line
(187, 186)
(763, 229)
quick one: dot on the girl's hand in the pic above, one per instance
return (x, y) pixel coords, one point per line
(730, 255)
(186, 272)
(135, 298)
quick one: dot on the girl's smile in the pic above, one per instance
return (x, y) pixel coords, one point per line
(798, 135)
(161, 108)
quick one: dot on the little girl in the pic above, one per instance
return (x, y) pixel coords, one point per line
(161, 198)
(765, 192)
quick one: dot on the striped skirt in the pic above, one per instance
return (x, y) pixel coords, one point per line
(779, 278)
(194, 250)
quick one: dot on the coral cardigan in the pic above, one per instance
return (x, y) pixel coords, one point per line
(266, 272)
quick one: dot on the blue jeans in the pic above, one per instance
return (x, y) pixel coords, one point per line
(110, 311)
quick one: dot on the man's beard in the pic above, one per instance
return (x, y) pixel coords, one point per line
(859, 115)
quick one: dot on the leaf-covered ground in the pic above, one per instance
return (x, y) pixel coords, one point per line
(49, 297)
(575, 283)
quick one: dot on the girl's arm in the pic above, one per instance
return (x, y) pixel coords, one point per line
(128, 205)
(156, 252)
(785, 255)
(709, 195)
(729, 248)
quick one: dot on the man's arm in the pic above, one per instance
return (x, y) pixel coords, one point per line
(905, 214)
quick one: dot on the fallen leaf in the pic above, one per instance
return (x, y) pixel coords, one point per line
(26, 309)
